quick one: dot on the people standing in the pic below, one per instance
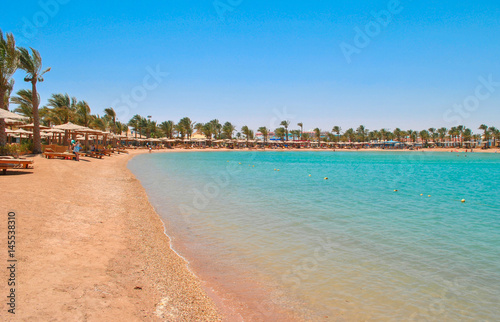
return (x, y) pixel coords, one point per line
(76, 150)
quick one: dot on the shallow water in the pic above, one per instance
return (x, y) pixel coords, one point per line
(349, 245)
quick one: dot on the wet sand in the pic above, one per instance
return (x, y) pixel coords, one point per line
(91, 248)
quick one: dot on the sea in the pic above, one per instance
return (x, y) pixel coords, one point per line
(340, 236)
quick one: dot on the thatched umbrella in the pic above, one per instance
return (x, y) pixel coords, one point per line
(88, 131)
(68, 127)
(54, 132)
(32, 125)
(4, 114)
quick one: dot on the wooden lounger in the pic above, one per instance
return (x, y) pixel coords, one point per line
(94, 154)
(10, 163)
(65, 155)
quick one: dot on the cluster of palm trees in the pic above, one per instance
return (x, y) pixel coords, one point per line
(61, 109)
(185, 128)
(458, 134)
(13, 58)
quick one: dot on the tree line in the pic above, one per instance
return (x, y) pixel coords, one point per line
(61, 108)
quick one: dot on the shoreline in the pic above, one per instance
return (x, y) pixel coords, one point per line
(435, 150)
(77, 260)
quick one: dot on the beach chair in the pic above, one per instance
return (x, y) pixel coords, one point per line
(58, 152)
(7, 162)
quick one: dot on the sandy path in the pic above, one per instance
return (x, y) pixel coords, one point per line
(91, 248)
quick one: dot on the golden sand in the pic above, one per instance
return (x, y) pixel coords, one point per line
(91, 248)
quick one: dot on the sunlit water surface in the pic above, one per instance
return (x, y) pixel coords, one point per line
(350, 245)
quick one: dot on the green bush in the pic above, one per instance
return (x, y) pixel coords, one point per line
(16, 149)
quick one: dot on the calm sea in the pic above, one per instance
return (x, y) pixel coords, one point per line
(350, 246)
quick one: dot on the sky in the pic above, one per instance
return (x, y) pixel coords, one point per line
(382, 64)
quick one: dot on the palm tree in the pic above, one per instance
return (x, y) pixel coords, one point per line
(486, 134)
(383, 134)
(454, 133)
(63, 106)
(317, 132)
(264, 131)
(207, 130)
(301, 125)
(360, 131)
(337, 130)
(7, 95)
(135, 123)
(228, 130)
(424, 136)
(280, 133)
(168, 128)
(32, 65)
(433, 134)
(460, 130)
(180, 130)
(216, 128)
(120, 128)
(24, 104)
(82, 113)
(110, 112)
(187, 127)
(349, 135)
(285, 124)
(397, 133)
(494, 134)
(100, 123)
(410, 134)
(442, 133)
(246, 132)
(467, 134)
(9, 63)
(295, 133)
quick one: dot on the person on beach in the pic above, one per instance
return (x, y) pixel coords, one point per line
(76, 149)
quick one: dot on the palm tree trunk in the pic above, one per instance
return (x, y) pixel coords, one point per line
(3, 135)
(37, 140)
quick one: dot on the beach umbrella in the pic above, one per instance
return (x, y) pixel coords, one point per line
(11, 122)
(68, 128)
(4, 114)
(20, 131)
(87, 131)
(32, 125)
(54, 132)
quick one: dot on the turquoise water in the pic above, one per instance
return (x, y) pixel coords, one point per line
(348, 246)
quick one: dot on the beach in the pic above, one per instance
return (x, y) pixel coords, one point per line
(91, 248)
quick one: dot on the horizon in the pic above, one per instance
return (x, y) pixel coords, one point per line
(383, 64)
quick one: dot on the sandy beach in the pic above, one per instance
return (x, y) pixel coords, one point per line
(91, 248)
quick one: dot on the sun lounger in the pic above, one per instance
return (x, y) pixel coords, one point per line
(11, 163)
(119, 150)
(94, 154)
(56, 151)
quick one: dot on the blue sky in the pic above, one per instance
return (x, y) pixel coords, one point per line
(256, 62)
